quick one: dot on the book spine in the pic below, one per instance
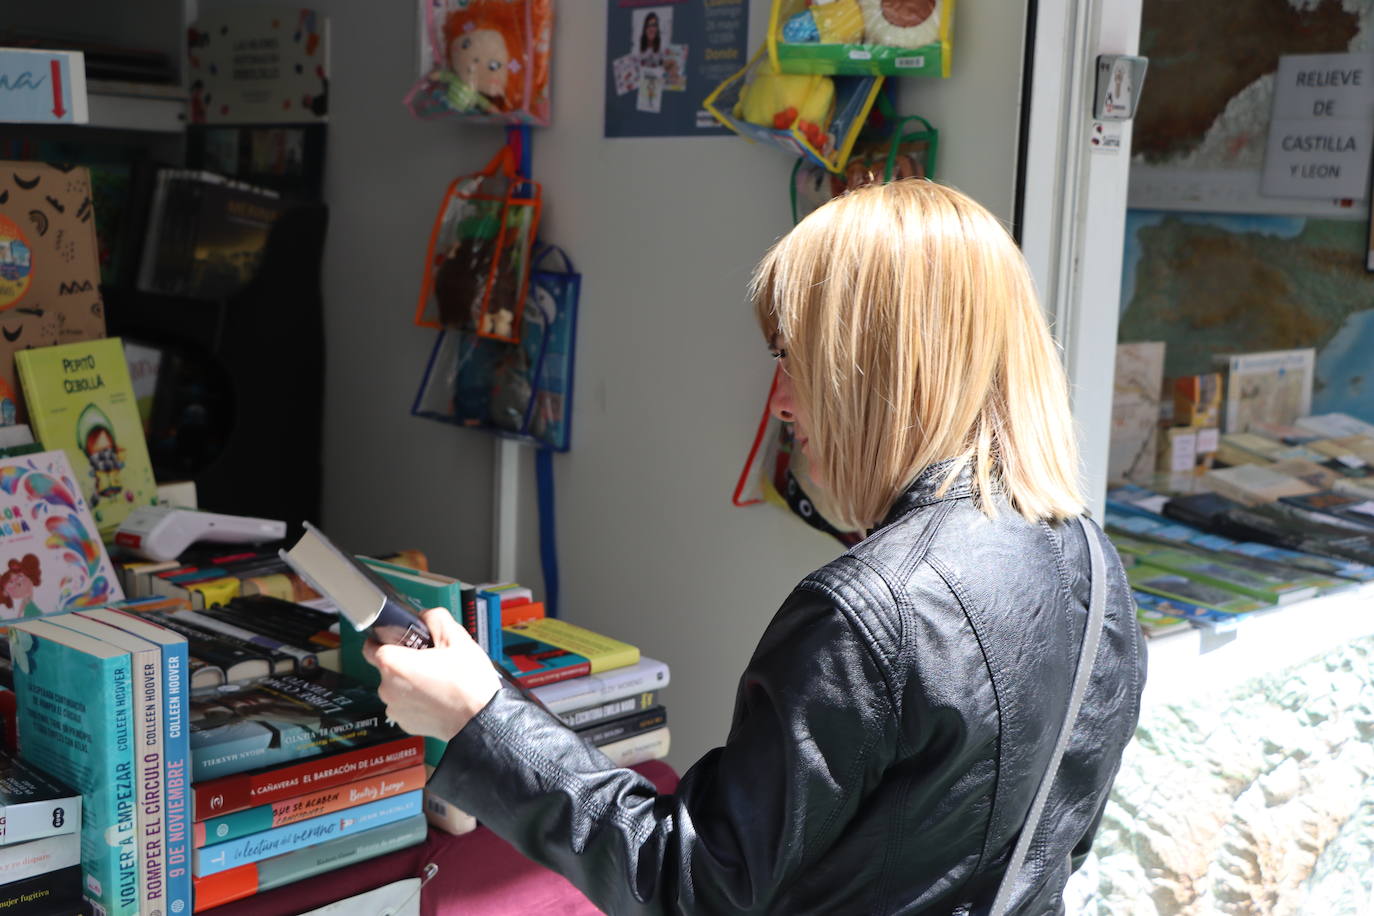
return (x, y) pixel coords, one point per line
(285, 586)
(303, 807)
(218, 649)
(247, 790)
(578, 718)
(246, 880)
(611, 685)
(638, 749)
(297, 633)
(39, 857)
(475, 624)
(539, 678)
(305, 660)
(55, 892)
(35, 820)
(493, 609)
(269, 843)
(176, 749)
(149, 766)
(624, 727)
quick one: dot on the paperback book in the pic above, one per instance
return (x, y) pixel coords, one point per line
(33, 805)
(281, 719)
(566, 696)
(76, 712)
(545, 650)
(56, 891)
(81, 400)
(1171, 585)
(1269, 587)
(1198, 615)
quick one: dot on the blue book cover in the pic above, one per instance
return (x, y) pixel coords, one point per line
(493, 605)
(176, 749)
(268, 843)
(1200, 616)
(76, 712)
(1345, 569)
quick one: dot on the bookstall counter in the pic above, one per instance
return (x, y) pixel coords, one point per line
(1251, 777)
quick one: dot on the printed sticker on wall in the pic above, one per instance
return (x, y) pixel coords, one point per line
(259, 65)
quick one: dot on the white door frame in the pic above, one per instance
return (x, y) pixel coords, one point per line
(1073, 206)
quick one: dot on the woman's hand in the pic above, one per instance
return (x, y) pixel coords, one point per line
(434, 692)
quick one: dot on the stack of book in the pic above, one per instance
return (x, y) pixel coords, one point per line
(1190, 559)
(40, 842)
(194, 797)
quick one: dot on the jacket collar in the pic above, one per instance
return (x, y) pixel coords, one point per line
(925, 489)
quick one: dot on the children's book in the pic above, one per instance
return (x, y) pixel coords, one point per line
(76, 714)
(281, 719)
(51, 556)
(1203, 617)
(81, 400)
(33, 805)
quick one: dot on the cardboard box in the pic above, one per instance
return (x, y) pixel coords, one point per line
(49, 267)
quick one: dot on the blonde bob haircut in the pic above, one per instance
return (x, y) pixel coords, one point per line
(913, 335)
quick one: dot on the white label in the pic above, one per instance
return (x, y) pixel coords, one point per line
(1207, 441)
(859, 54)
(1324, 86)
(1105, 137)
(909, 63)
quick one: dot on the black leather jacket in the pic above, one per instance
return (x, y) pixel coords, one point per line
(888, 736)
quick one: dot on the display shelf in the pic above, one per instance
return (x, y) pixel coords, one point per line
(1190, 662)
(118, 111)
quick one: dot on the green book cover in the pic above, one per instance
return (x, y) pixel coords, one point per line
(1209, 568)
(81, 400)
(1169, 584)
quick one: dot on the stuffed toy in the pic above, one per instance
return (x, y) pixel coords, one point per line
(785, 100)
(484, 42)
(895, 23)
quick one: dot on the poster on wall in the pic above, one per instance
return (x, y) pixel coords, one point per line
(664, 58)
(259, 65)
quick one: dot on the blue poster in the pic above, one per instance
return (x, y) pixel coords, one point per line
(664, 57)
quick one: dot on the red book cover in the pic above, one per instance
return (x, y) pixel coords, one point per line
(216, 797)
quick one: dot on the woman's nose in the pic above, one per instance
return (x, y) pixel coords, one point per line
(780, 404)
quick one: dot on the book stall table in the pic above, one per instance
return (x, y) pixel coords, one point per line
(1251, 777)
(479, 875)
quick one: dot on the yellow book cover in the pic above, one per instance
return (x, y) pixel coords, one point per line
(81, 400)
(602, 652)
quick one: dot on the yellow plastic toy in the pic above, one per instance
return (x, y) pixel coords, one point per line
(784, 100)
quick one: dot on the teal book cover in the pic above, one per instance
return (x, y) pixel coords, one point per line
(76, 715)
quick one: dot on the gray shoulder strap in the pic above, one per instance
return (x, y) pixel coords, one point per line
(1082, 673)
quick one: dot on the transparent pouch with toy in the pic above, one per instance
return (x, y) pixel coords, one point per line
(484, 60)
(908, 149)
(477, 266)
(850, 37)
(818, 117)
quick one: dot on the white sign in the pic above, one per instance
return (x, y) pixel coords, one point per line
(42, 87)
(1322, 127)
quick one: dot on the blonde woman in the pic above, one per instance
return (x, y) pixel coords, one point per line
(900, 721)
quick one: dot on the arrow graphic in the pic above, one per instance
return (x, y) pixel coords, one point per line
(56, 68)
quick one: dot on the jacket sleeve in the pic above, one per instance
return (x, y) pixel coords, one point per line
(812, 731)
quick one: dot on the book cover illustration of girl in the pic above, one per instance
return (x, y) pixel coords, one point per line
(55, 559)
(487, 57)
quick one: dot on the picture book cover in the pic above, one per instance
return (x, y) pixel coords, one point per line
(49, 267)
(76, 715)
(1268, 586)
(601, 652)
(533, 662)
(1204, 617)
(238, 727)
(81, 400)
(51, 556)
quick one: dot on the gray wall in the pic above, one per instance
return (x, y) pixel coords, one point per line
(671, 370)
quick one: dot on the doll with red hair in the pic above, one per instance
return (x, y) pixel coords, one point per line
(17, 585)
(491, 57)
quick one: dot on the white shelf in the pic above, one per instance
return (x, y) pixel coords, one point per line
(130, 112)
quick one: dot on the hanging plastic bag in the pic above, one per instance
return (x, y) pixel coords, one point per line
(776, 472)
(522, 390)
(485, 60)
(477, 266)
(861, 36)
(906, 150)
